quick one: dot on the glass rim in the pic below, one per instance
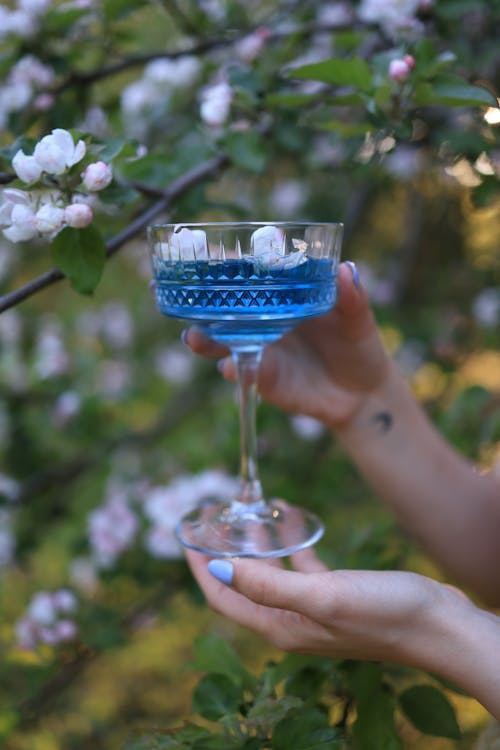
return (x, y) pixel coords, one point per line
(243, 224)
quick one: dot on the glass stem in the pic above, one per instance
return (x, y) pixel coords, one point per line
(247, 365)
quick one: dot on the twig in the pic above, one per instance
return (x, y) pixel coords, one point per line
(176, 188)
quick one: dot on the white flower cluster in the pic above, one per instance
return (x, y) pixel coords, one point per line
(394, 16)
(27, 77)
(46, 210)
(24, 19)
(152, 92)
(165, 506)
(216, 104)
(46, 620)
(114, 526)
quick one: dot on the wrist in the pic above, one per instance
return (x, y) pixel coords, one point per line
(461, 643)
(373, 410)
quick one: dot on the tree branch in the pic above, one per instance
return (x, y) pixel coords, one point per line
(177, 188)
(85, 79)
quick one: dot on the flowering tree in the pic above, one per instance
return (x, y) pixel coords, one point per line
(116, 113)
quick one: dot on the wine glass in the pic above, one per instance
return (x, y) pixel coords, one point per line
(245, 285)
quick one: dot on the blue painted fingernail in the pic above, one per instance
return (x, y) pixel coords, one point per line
(184, 334)
(355, 273)
(222, 570)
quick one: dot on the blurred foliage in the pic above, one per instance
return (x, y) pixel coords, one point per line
(97, 391)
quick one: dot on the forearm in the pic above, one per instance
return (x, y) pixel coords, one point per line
(436, 494)
(462, 644)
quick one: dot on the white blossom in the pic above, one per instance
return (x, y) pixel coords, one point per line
(17, 216)
(51, 358)
(35, 7)
(165, 506)
(288, 197)
(9, 487)
(250, 47)
(29, 69)
(15, 96)
(49, 218)
(179, 73)
(486, 307)
(42, 609)
(66, 407)
(57, 152)
(175, 364)
(65, 601)
(307, 428)
(395, 16)
(216, 104)
(112, 529)
(42, 622)
(26, 167)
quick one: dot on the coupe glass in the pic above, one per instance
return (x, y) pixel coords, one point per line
(245, 285)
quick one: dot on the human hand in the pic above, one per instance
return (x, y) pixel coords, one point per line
(399, 617)
(323, 368)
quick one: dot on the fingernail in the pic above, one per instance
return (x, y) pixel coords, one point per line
(355, 273)
(184, 334)
(220, 365)
(152, 286)
(222, 570)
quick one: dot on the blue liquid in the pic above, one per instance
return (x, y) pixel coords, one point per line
(238, 302)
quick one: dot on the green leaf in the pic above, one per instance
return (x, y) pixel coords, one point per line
(374, 726)
(430, 711)
(80, 254)
(216, 655)
(268, 711)
(215, 696)
(353, 71)
(347, 129)
(304, 729)
(453, 91)
(290, 100)
(112, 148)
(246, 150)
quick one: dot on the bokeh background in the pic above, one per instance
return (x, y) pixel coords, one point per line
(110, 427)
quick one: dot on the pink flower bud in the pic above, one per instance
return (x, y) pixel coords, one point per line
(97, 176)
(399, 70)
(410, 61)
(78, 215)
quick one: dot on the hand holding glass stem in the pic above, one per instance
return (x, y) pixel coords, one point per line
(335, 369)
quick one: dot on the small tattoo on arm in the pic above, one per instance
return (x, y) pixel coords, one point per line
(383, 421)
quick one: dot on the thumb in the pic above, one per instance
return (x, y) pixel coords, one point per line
(266, 584)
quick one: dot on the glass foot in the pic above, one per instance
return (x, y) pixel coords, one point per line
(262, 529)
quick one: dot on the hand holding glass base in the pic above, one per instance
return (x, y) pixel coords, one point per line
(244, 285)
